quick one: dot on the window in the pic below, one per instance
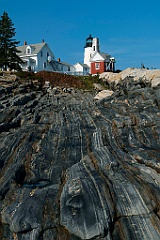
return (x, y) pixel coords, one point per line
(44, 65)
(94, 48)
(97, 66)
(41, 54)
(68, 68)
(107, 66)
(28, 50)
(47, 54)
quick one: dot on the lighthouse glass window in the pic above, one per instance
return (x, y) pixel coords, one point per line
(97, 65)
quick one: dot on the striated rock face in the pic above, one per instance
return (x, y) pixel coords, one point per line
(75, 168)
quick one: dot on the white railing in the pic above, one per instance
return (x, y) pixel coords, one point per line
(73, 73)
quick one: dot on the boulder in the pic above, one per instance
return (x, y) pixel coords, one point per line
(103, 94)
(152, 76)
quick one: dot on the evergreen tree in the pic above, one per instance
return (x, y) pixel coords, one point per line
(8, 51)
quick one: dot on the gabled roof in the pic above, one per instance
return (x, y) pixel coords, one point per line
(82, 64)
(64, 63)
(100, 56)
(106, 56)
(35, 48)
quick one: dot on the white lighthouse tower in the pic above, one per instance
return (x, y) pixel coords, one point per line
(91, 46)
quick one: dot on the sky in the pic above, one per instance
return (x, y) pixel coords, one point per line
(128, 30)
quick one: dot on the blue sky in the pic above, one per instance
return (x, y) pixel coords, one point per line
(128, 30)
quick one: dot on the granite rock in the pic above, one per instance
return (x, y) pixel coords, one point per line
(74, 168)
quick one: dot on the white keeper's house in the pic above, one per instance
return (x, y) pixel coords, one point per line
(38, 57)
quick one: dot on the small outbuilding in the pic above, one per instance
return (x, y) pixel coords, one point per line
(81, 69)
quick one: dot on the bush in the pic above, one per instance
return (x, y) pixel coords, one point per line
(62, 80)
(88, 81)
(25, 75)
(59, 79)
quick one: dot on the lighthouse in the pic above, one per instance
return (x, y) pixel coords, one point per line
(91, 46)
(98, 62)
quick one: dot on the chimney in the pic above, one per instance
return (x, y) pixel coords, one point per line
(59, 59)
(25, 43)
(42, 40)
